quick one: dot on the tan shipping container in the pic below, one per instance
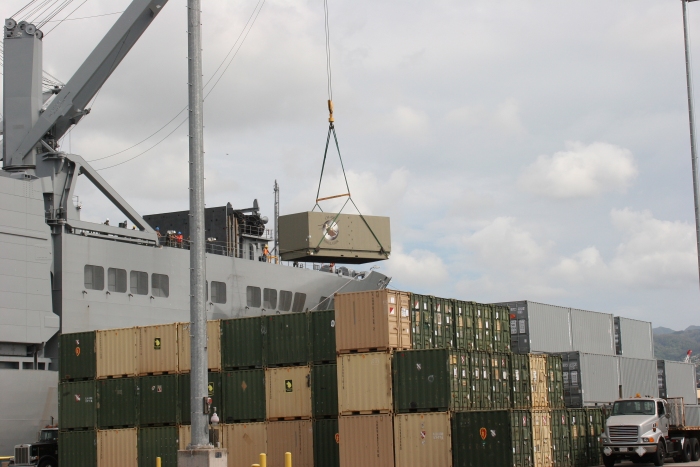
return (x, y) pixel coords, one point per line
(538, 381)
(158, 349)
(184, 342)
(117, 352)
(365, 383)
(295, 437)
(422, 439)
(378, 319)
(542, 438)
(245, 442)
(184, 434)
(117, 448)
(366, 440)
(288, 392)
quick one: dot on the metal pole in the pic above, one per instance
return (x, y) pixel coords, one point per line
(277, 218)
(691, 116)
(198, 315)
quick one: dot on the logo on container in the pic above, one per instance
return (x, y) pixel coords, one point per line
(330, 230)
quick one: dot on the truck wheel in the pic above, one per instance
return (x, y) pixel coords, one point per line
(660, 456)
(48, 462)
(609, 461)
(695, 447)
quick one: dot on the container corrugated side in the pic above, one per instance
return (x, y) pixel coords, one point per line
(561, 439)
(161, 441)
(426, 380)
(692, 415)
(287, 339)
(595, 427)
(117, 402)
(214, 391)
(681, 381)
(117, 352)
(288, 392)
(158, 349)
(520, 377)
(501, 328)
(548, 328)
(443, 324)
(482, 439)
(464, 326)
(521, 435)
(213, 346)
(322, 336)
(366, 440)
(539, 381)
(483, 327)
(591, 379)
(422, 439)
(501, 381)
(295, 437)
(542, 438)
(364, 383)
(422, 308)
(636, 338)
(638, 376)
(592, 332)
(242, 343)
(555, 381)
(326, 443)
(117, 448)
(481, 388)
(578, 431)
(159, 400)
(324, 390)
(77, 356)
(243, 395)
(77, 405)
(519, 335)
(245, 442)
(77, 448)
(184, 435)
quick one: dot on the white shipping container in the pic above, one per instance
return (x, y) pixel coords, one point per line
(638, 376)
(592, 332)
(681, 381)
(590, 379)
(635, 338)
(692, 415)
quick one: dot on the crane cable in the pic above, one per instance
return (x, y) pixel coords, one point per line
(331, 130)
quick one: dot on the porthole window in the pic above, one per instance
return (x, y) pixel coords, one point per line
(299, 301)
(139, 282)
(253, 297)
(116, 280)
(160, 285)
(218, 292)
(269, 299)
(94, 277)
(285, 300)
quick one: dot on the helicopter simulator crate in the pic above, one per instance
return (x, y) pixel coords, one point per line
(331, 238)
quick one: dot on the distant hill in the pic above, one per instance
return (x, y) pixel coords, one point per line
(660, 331)
(673, 345)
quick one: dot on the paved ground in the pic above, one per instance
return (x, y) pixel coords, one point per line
(668, 462)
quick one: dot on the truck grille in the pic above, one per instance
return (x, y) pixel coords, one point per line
(22, 453)
(623, 434)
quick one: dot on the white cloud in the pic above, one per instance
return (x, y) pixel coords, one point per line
(580, 171)
(503, 118)
(502, 243)
(417, 269)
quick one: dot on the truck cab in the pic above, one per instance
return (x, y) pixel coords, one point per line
(42, 453)
(641, 429)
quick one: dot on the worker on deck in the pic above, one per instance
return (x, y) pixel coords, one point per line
(178, 239)
(107, 221)
(266, 254)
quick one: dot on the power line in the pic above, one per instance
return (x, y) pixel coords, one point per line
(85, 17)
(68, 16)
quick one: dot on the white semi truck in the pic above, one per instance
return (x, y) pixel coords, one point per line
(649, 429)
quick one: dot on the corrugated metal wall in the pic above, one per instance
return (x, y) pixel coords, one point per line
(680, 381)
(600, 378)
(550, 328)
(591, 332)
(692, 415)
(636, 338)
(638, 376)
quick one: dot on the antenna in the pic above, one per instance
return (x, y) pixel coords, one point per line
(277, 220)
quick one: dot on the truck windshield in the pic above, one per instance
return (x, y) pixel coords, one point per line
(49, 435)
(641, 407)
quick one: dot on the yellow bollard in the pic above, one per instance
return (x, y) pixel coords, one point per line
(263, 460)
(157, 461)
(287, 459)
(256, 465)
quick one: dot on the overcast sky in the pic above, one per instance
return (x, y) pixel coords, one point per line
(529, 149)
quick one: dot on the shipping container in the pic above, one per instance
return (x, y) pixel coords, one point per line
(159, 400)
(578, 429)
(322, 336)
(422, 310)
(521, 436)
(692, 415)
(539, 381)
(77, 405)
(184, 339)
(443, 324)
(590, 379)
(681, 381)
(287, 339)
(483, 327)
(77, 356)
(158, 349)
(117, 402)
(184, 436)
(160, 441)
(500, 381)
(245, 442)
(214, 390)
(117, 353)
(542, 437)
(295, 437)
(482, 439)
(638, 377)
(596, 427)
(366, 440)
(243, 396)
(481, 393)
(288, 392)
(422, 439)
(520, 377)
(334, 238)
(326, 439)
(324, 390)
(555, 382)
(536, 327)
(661, 378)
(561, 438)
(592, 332)
(365, 383)
(501, 328)
(464, 325)
(373, 320)
(633, 338)
(242, 343)
(427, 380)
(98, 448)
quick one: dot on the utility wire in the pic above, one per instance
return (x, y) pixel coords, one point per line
(85, 17)
(329, 72)
(24, 8)
(68, 16)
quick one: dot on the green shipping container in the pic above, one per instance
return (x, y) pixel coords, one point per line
(520, 378)
(443, 321)
(483, 327)
(501, 328)
(521, 434)
(464, 325)
(465, 390)
(422, 307)
(324, 390)
(480, 375)
(214, 391)
(159, 400)
(578, 428)
(242, 343)
(326, 451)
(287, 339)
(244, 396)
(160, 441)
(77, 358)
(322, 330)
(117, 402)
(77, 448)
(482, 439)
(595, 427)
(426, 380)
(500, 381)
(77, 405)
(555, 382)
(561, 439)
